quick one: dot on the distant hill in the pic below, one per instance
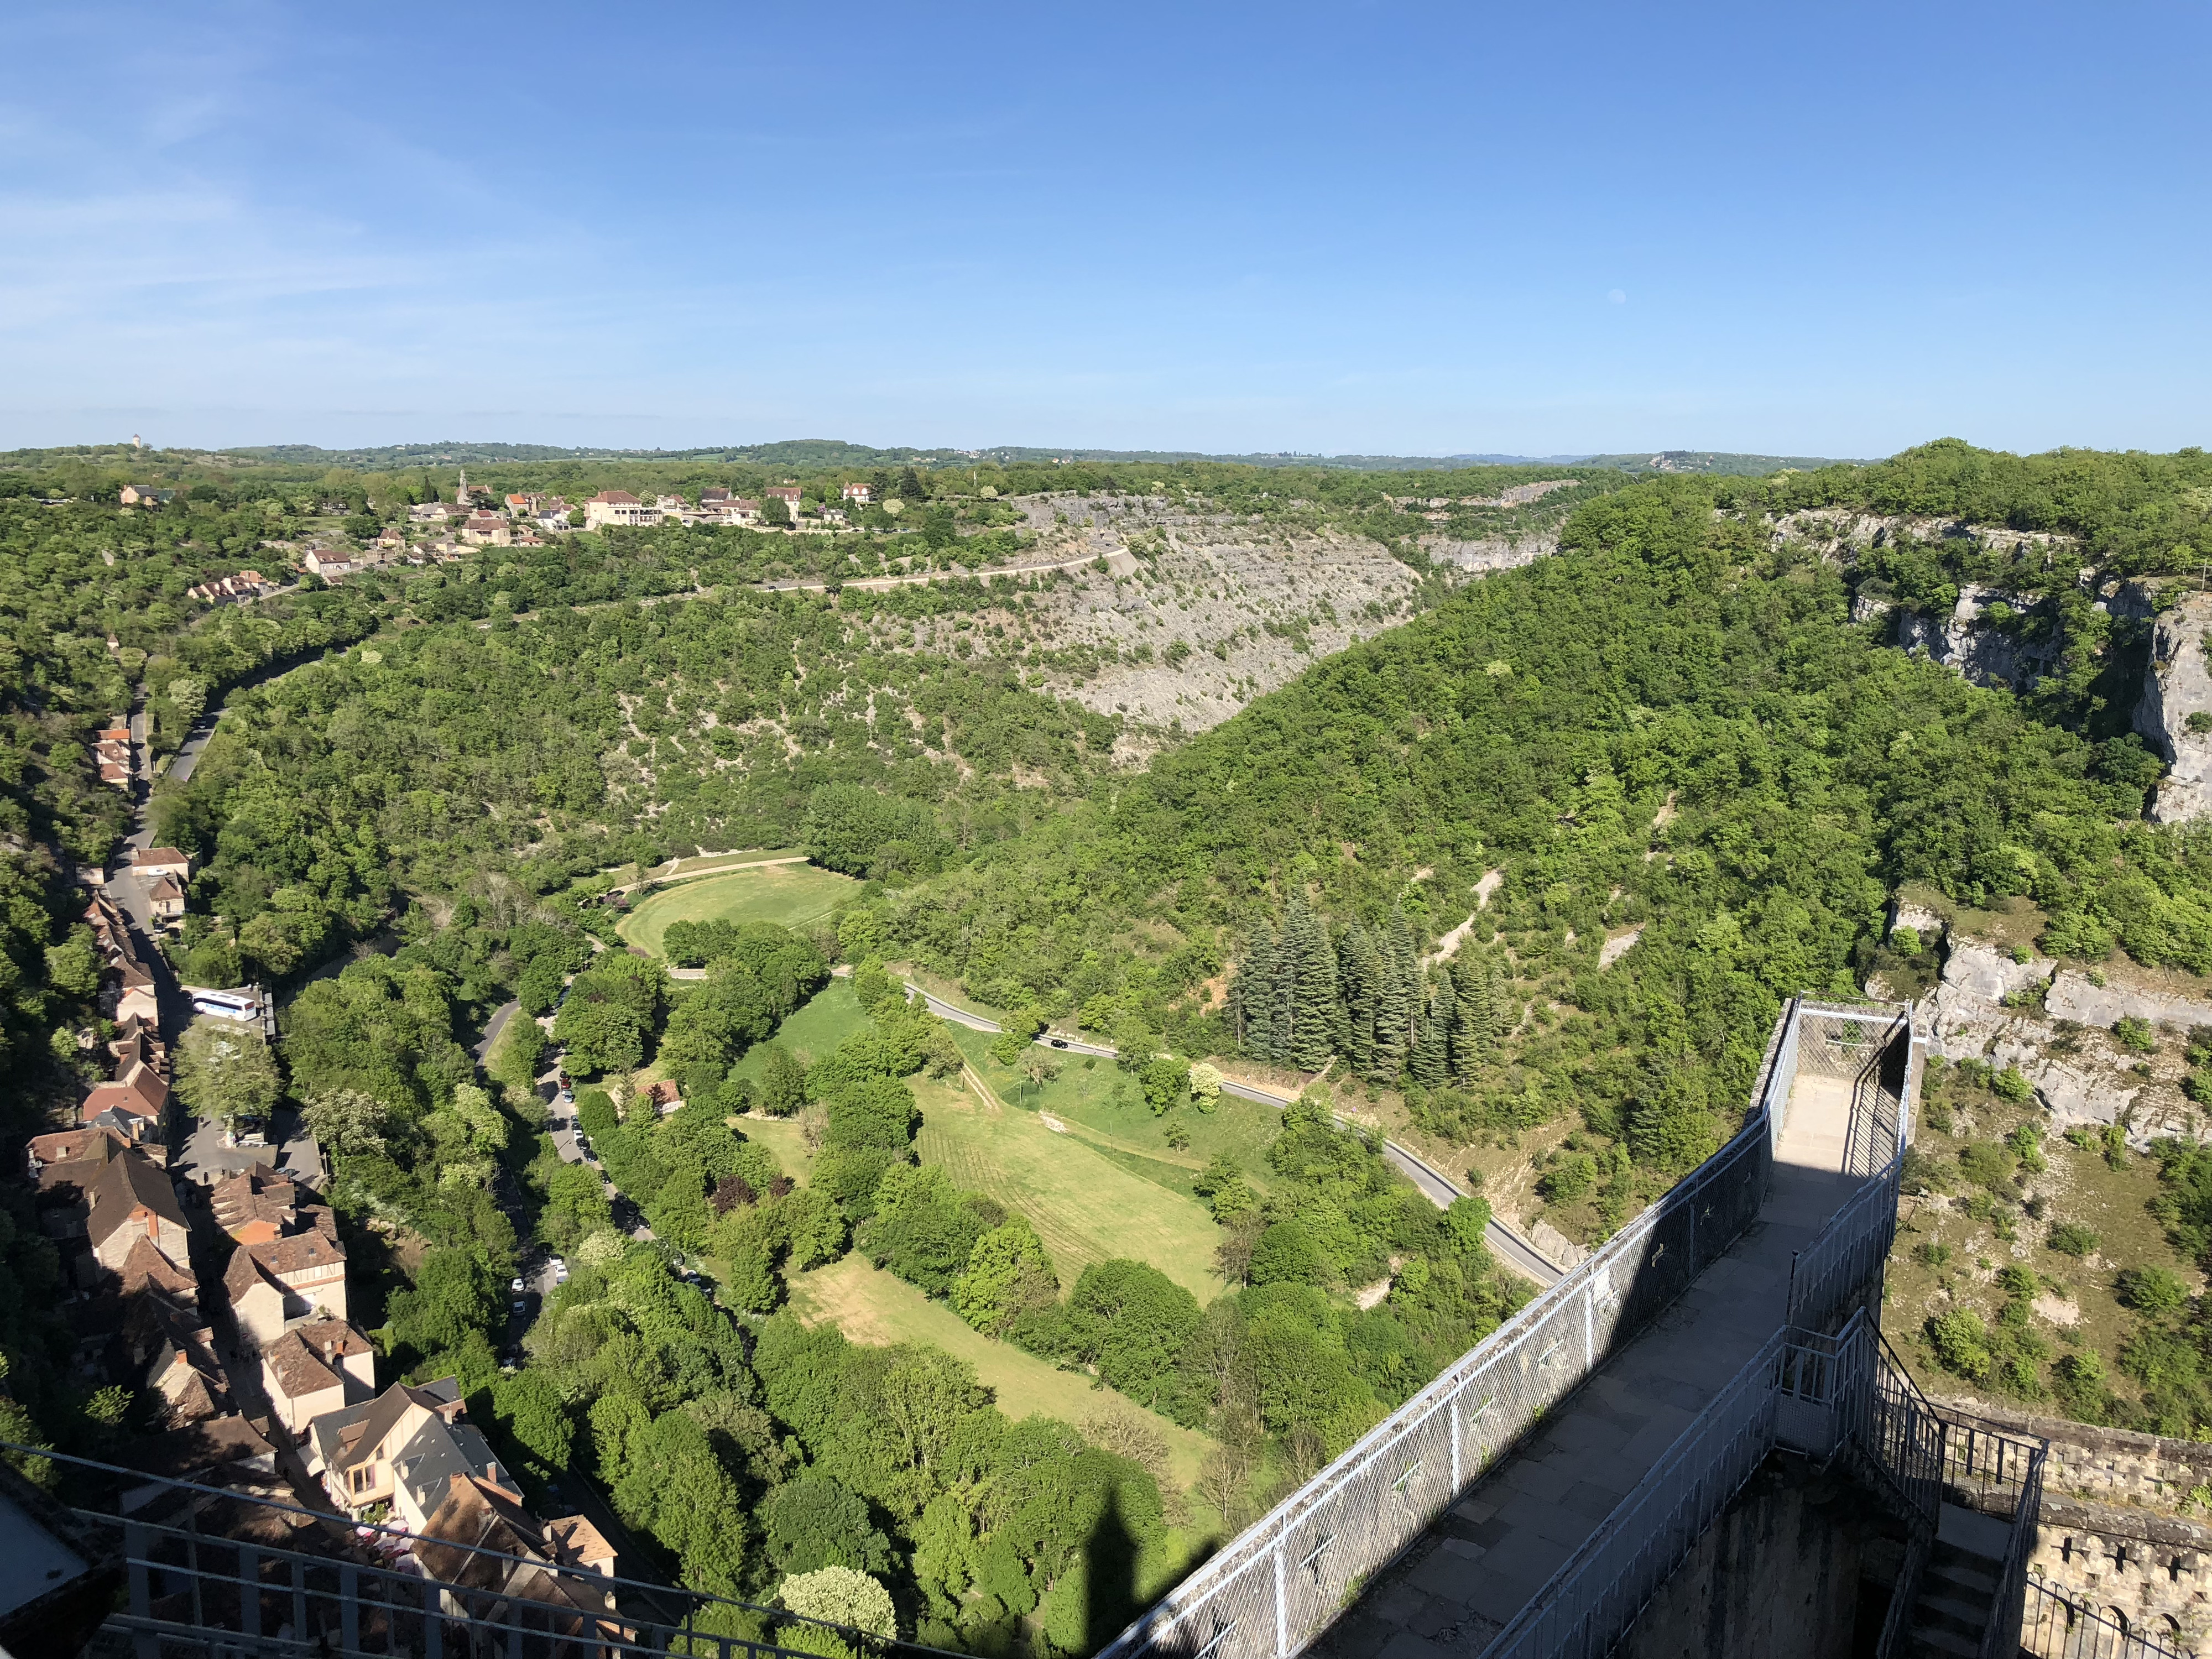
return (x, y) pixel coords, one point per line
(1708, 460)
(832, 453)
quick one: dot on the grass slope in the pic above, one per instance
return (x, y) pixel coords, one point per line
(791, 894)
(1085, 1206)
(830, 1016)
(875, 1307)
(1102, 1105)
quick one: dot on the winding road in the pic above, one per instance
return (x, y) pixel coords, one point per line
(1516, 1252)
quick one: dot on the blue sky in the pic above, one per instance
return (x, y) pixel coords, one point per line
(1377, 227)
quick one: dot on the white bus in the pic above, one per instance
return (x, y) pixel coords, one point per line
(226, 1005)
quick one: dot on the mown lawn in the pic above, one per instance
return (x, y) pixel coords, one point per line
(872, 1306)
(1085, 1203)
(1103, 1104)
(832, 1015)
(792, 895)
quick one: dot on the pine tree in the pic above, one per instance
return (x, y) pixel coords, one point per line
(1358, 972)
(1287, 1000)
(1432, 1050)
(1315, 996)
(1474, 1023)
(1397, 999)
(1254, 993)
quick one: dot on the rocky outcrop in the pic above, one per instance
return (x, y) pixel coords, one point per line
(2075, 996)
(1984, 972)
(1556, 1247)
(2177, 686)
(2090, 1084)
(1970, 640)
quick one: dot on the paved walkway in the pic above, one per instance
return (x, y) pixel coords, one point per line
(1494, 1550)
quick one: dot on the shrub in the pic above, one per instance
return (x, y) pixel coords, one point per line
(2016, 1280)
(1932, 1255)
(1567, 1179)
(2135, 1034)
(2152, 1291)
(1987, 1164)
(1962, 1343)
(2009, 1085)
(2072, 1238)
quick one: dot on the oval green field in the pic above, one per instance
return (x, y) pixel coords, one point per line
(791, 894)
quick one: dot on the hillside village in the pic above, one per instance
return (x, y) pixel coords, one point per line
(203, 1273)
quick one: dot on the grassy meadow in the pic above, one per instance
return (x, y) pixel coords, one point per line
(1084, 1203)
(872, 1306)
(793, 895)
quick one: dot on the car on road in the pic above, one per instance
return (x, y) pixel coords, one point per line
(516, 1287)
(519, 1306)
(1059, 1042)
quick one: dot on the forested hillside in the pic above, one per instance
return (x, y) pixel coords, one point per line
(1536, 854)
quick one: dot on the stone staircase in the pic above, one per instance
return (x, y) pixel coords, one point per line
(1959, 1590)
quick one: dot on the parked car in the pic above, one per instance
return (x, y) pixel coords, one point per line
(1060, 1042)
(519, 1306)
(516, 1287)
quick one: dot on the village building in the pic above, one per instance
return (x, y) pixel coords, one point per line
(133, 1103)
(858, 493)
(315, 1369)
(279, 1283)
(481, 1542)
(616, 506)
(789, 494)
(131, 1199)
(152, 861)
(165, 900)
(402, 1447)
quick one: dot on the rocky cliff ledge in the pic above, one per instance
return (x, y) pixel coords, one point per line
(2174, 715)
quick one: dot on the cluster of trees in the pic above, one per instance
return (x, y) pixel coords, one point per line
(1301, 995)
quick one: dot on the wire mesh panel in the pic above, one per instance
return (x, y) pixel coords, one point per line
(1848, 1254)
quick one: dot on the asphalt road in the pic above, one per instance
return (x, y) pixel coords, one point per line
(188, 753)
(1516, 1252)
(493, 1027)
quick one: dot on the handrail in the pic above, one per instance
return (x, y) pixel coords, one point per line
(142, 1536)
(2054, 1626)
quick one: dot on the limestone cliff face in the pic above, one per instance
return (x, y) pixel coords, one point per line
(1983, 652)
(2178, 684)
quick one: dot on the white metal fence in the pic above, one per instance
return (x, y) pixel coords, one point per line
(1283, 1581)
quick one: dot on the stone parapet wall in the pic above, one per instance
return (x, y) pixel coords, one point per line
(2119, 1529)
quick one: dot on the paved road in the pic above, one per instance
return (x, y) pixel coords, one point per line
(1516, 1252)
(493, 1027)
(188, 753)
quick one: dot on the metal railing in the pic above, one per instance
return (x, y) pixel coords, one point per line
(362, 1590)
(2054, 1626)
(1282, 1582)
(2000, 1474)
(1585, 1606)
(1876, 1051)
(1285, 1578)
